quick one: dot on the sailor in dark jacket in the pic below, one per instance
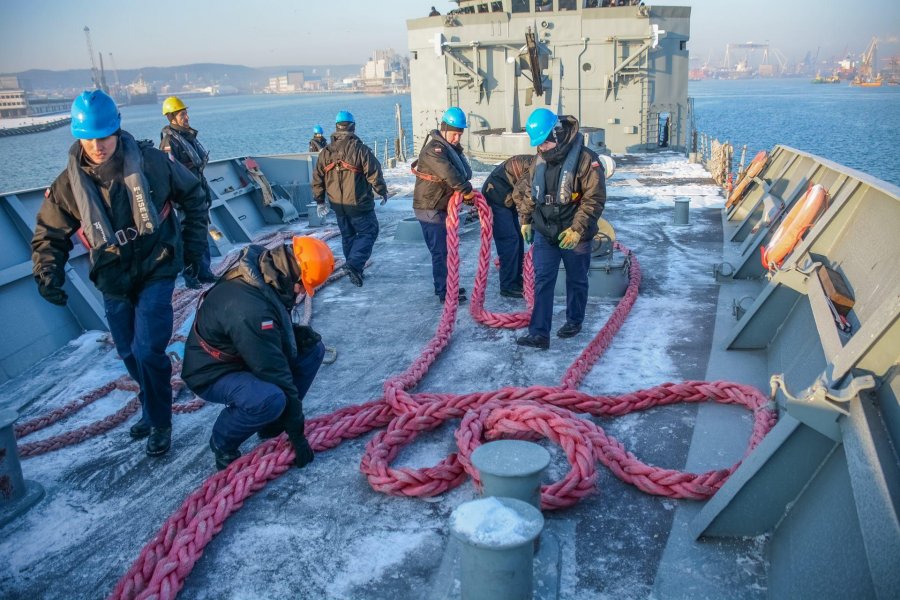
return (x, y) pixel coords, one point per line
(179, 140)
(244, 352)
(318, 141)
(348, 172)
(498, 191)
(441, 170)
(118, 195)
(562, 199)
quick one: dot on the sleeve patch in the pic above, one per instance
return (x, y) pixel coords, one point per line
(266, 325)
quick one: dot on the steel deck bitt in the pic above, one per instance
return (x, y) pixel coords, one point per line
(16, 494)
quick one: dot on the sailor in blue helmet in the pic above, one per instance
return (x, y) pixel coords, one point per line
(318, 141)
(348, 172)
(179, 140)
(441, 170)
(119, 196)
(562, 200)
(498, 191)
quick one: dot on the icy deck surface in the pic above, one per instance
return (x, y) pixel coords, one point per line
(322, 532)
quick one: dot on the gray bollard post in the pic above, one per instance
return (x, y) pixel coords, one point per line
(682, 211)
(496, 538)
(512, 468)
(314, 219)
(16, 494)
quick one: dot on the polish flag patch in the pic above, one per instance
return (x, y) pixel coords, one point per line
(267, 325)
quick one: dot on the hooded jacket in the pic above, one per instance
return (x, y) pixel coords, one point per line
(585, 189)
(348, 172)
(245, 315)
(499, 185)
(123, 270)
(447, 163)
(317, 143)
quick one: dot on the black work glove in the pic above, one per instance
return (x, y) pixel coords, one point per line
(293, 421)
(50, 287)
(306, 338)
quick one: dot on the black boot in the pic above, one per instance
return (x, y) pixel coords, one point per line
(159, 441)
(534, 341)
(568, 330)
(223, 458)
(140, 430)
(206, 276)
(191, 282)
(511, 293)
(355, 276)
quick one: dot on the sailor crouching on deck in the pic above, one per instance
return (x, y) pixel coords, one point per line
(562, 201)
(498, 191)
(348, 172)
(244, 352)
(441, 170)
(120, 193)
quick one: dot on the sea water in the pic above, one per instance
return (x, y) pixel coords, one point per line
(857, 127)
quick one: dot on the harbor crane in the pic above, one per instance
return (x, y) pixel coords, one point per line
(95, 73)
(868, 68)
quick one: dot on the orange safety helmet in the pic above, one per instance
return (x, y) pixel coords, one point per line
(315, 259)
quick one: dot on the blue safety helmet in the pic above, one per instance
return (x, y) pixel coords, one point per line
(539, 125)
(94, 116)
(318, 130)
(344, 116)
(454, 117)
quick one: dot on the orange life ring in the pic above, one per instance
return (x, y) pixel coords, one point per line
(803, 215)
(755, 168)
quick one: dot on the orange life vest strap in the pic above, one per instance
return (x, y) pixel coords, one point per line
(344, 165)
(425, 176)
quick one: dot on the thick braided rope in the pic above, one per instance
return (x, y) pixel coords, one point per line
(165, 562)
(476, 307)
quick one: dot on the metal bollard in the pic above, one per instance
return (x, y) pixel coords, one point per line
(682, 211)
(314, 219)
(496, 538)
(16, 494)
(512, 468)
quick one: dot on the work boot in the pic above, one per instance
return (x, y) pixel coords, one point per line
(568, 330)
(460, 297)
(206, 276)
(191, 282)
(534, 341)
(355, 276)
(223, 457)
(512, 293)
(140, 430)
(271, 430)
(159, 441)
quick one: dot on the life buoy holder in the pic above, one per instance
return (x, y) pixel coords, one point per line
(798, 221)
(756, 166)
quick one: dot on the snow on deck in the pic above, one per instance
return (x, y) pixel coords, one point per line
(322, 532)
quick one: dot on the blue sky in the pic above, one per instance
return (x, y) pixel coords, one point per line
(48, 34)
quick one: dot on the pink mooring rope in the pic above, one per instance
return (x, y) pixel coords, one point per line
(533, 412)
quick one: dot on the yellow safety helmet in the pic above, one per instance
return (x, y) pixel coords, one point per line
(315, 259)
(173, 104)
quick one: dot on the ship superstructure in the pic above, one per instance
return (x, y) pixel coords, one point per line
(622, 71)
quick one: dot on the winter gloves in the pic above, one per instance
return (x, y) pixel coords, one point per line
(527, 233)
(50, 287)
(306, 338)
(568, 239)
(322, 210)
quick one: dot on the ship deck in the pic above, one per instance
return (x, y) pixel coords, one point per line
(322, 532)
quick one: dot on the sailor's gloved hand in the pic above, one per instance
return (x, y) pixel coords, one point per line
(387, 197)
(322, 210)
(527, 233)
(383, 200)
(306, 338)
(293, 422)
(50, 287)
(568, 239)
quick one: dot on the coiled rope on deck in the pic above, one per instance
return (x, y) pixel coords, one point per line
(539, 411)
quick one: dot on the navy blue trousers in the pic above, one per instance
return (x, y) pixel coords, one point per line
(509, 244)
(358, 235)
(436, 240)
(141, 331)
(251, 403)
(546, 268)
